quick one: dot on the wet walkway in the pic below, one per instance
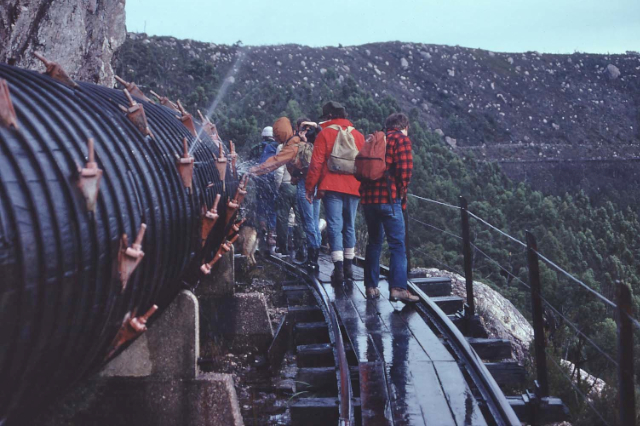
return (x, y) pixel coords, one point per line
(407, 377)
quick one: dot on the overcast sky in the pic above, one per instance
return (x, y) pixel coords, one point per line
(554, 26)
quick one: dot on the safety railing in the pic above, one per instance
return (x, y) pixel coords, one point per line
(622, 306)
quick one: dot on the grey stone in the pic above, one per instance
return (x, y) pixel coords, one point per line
(209, 399)
(155, 380)
(499, 316)
(404, 63)
(612, 71)
(244, 320)
(221, 281)
(451, 141)
(80, 35)
(168, 350)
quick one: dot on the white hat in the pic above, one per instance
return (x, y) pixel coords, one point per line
(267, 131)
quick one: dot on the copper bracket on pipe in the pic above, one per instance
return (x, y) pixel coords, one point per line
(209, 219)
(89, 178)
(55, 71)
(133, 89)
(131, 328)
(221, 165)
(224, 248)
(232, 208)
(185, 165)
(164, 101)
(135, 113)
(8, 115)
(240, 194)
(242, 189)
(187, 120)
(130, 257)
(236, 227)
(210, 129)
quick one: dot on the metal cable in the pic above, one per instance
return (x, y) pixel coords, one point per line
(434, 201)
(635, 322)
(586, 399)
(569, 322)
(500, 266)
(597, 294)
(496, 229)
(436, 228)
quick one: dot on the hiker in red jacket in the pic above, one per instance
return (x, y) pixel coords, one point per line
(336, 185)
(383, 201)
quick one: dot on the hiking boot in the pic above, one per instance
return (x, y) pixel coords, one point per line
(373, 292)
(300, 255)
(402, 295)
(348, 269)
(280, 252)
(337, 278)
(312, 260)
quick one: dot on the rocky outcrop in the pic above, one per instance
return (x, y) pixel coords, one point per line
(500, 318)
(81, 35)
(613, 72)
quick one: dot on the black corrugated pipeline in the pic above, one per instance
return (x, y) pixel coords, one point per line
(74, 214)
(61, 299)
(72, 138)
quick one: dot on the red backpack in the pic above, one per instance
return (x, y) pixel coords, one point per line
(371, 163)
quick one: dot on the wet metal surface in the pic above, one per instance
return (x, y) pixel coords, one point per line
(422, 383)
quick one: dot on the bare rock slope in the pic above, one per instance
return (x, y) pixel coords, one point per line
(81, 35)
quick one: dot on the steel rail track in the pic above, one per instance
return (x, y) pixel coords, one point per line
(489, 391)
(345, 395)
(495, 404)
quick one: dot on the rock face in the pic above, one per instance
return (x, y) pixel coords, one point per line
(81, 35)
(613, 72)
(500, 318)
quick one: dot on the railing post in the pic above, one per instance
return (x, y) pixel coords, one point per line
(625, 356)
(466, 251)
(536, 313)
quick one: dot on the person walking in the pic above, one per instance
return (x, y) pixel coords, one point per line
(310, 212)
(383, 202)
(286, 195)
(266, 191)
(331, 175)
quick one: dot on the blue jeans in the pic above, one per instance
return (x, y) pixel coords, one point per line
(385, 219)
(341, 219)
(310, 217)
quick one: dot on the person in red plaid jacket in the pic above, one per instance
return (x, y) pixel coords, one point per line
(383, 202)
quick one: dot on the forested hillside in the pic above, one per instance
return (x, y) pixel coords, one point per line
(597, 243)
(528, 111)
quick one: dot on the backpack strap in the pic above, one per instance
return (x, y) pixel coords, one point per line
(387, 177)
(339, 128)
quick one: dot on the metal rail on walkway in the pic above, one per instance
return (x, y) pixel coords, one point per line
(493, 396)
(335, 334)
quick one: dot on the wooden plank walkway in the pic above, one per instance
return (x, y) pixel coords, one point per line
(407, 377)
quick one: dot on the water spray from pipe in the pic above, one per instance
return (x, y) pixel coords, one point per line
(222, 92)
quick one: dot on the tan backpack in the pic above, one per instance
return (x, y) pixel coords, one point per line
(303, 157)
(344, 152)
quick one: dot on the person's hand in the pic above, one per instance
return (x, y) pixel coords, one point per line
(303, 135)
(310, 197)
